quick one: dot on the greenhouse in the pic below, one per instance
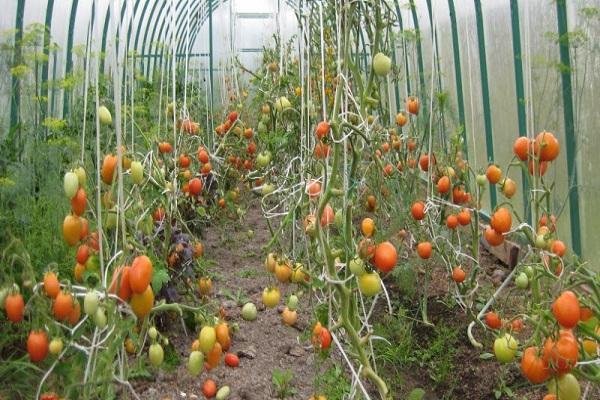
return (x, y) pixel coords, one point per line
(299, 199)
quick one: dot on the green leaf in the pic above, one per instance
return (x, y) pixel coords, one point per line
(159, 278)
(416, 394)
(486, 356)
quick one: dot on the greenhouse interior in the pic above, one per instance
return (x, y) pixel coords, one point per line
(299, 199)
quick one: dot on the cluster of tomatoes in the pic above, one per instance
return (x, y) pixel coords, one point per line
(560, 352)
(207, 352)
(282, 269)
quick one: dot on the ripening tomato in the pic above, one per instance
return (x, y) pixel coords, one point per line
(271, 297)
(533, 367)
(37, 345)
(546, 146)
(458, 275)
(15, 307)
(369, 283)
(51, 285)
(566, 309)
(140, 274)
(79, 202)
(493, 320)
(424, 250)
(501, 220)
(141, 303)
(385, 257)
(231, 360)
(493, 174)
(109, 168)
(63, 306)
(418, 210)
(71, 229)
(322, 129)
(120, 282)
(209, 388)
(367, 227)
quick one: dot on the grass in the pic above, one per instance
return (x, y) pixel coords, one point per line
(433, 352)
(249, 273)
(334, 383)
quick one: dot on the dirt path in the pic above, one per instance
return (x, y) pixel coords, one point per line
(264, 344)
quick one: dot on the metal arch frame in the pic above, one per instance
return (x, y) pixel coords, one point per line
(46, 50)
(15, 104)
(69, 59)
(485, 95)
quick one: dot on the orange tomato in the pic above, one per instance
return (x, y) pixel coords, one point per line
(71, 229)
(546, 146)
(522, 147)
(385, 257)
(424, 250)
(418, 210)
(501, 220)
(566, 309)
(51, 285)
(63, 306)
(493, 174)
(140, 274)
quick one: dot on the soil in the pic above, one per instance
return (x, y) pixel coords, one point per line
(273, 344)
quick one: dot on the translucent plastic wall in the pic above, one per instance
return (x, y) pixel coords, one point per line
(506, 60)
(148, 32)
(505, 67)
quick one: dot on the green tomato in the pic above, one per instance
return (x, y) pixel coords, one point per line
(263, 159)
(104, 116)
(249, 312)
(481, 179)
(223, 393)
(267, 188)
(565, 388)
(195, 362)
(93, 263)
(111, 219)
(529, 271)
(153, 333)
(137, 172)
(81, 176)
(100, 318)
(357, 266)
(540, 242)
(262, 127)
(282, 103)
(292, 303)
(207, 338)
(505, 348)
(56, 346)
(90, 303)
(71, 184)
(382, 64)
(369, 284)
(522, 281)
(156, 354)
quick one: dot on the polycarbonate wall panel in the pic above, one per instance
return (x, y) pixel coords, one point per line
(542, 76)
(441, 15)
(584, 19)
